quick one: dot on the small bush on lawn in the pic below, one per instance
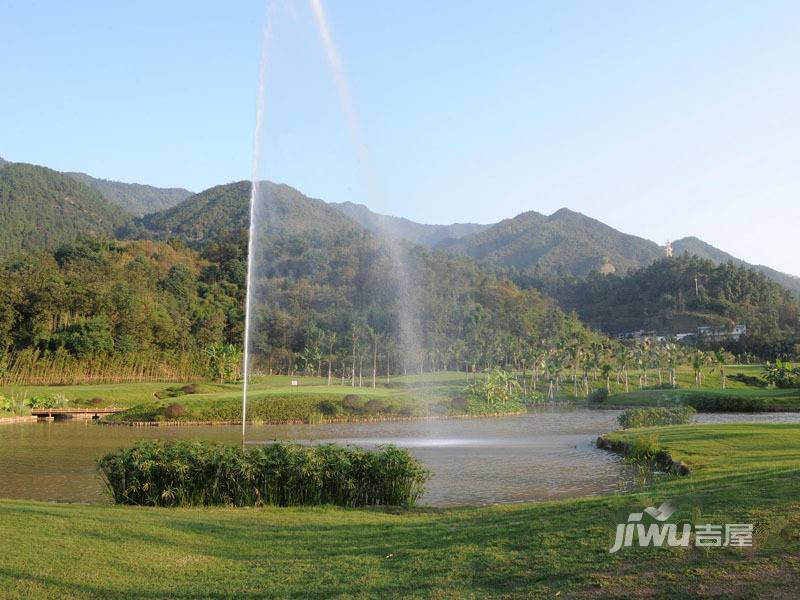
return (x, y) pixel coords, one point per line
(374, 407)
(352, 402)
(192, 388)
(175, 411)
(598, 395)
(652, 417)
(193, 473)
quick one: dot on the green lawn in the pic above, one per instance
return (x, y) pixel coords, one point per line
(740, 473)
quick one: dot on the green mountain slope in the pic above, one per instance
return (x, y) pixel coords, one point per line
(402, 228)
(565, 241)
(41, 209)
(136, 198)
(697, 247)
(224, 211)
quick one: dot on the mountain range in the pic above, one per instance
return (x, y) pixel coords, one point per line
(565, 242)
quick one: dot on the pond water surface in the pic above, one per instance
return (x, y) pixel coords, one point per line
(546, 454)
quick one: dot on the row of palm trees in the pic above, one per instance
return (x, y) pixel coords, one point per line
(584, 365)
(577, 361)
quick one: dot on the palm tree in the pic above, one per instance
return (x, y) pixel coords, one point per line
(719, 358)
(605, 370)
(699, 359)
(330, 338)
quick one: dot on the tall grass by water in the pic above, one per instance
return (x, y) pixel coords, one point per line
(655, 416)
(194, 473)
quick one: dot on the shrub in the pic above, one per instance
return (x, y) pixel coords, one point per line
(329, 408)
(534, 399)
(42, 402)
(598, 395)
(96, 401)
(499, 392)
(192, 388)
(13, 405)
(460, 404)
(193, 473)
(652, 417)
(373, 407)
(175, 411)
(352, 402)
(406, 411)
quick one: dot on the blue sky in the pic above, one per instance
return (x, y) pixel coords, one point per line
(661, 119)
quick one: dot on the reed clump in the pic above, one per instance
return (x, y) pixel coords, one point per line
(196, 473)
(656, 416)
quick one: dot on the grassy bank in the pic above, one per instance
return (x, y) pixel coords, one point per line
(711, 400)
(271, 399)
(740, 473)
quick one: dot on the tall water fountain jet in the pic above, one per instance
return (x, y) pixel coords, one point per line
(407, 302)
(254, 212)
(260, 209)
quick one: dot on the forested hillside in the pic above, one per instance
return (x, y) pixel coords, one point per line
(136, 198)
(153, 305)
(565, 241)
(696, 247)
(41, 209)
(676, 295)
(223, 211)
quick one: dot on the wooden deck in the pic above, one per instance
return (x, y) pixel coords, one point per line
(73, 413)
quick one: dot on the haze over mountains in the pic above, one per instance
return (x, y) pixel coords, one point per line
(399, 227)
(40, 207)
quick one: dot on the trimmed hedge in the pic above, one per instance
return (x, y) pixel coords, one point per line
(194, 473)
(720, 403)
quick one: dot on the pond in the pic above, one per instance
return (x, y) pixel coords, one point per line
(544, 455)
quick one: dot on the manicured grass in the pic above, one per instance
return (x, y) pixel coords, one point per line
(735, 399)
(740, 473)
